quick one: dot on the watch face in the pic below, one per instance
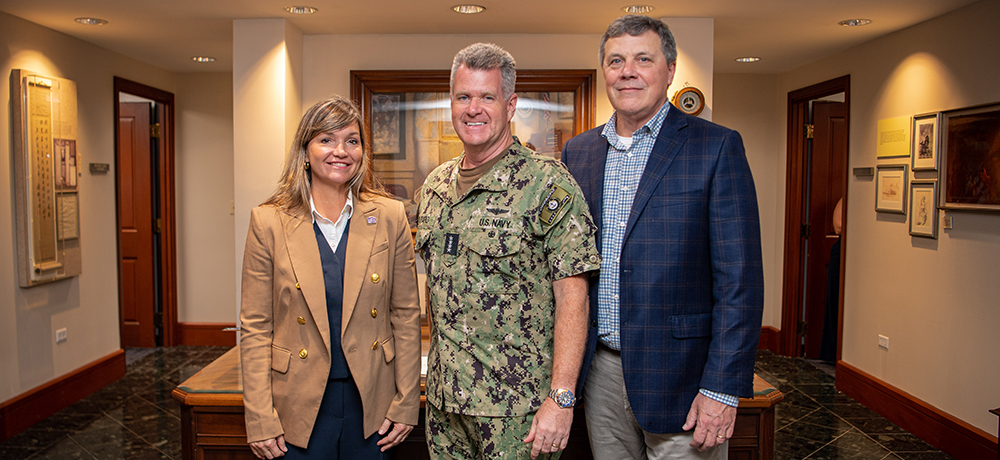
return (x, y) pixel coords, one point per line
(564, 398)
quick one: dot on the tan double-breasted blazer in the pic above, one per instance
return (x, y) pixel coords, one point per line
(285, 343)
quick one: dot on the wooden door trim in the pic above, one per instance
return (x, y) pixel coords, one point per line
(794, 211)
(168, 234)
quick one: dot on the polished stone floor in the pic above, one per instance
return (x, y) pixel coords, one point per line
(135, 418)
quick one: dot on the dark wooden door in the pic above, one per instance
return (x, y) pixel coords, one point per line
(136, 259)
(827, 170)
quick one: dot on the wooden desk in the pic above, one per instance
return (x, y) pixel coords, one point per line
(997, 413)
(213, 427)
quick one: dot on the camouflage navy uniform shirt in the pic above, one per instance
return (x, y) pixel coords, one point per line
(491, 257)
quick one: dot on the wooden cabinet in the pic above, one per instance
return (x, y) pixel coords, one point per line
(212, 420)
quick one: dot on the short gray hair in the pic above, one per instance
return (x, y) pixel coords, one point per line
(487, 56)
(637, 24)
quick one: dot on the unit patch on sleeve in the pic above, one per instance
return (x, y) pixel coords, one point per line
(554, 200)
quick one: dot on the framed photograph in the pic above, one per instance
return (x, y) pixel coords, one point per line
(970, 163)
(388, 126)
(924, 145)
(923, 209)
(890, 189)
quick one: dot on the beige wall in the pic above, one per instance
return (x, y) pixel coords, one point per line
(936, 300)
(204, 198)
(86, 305)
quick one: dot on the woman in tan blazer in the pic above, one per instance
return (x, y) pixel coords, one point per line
(330, 345)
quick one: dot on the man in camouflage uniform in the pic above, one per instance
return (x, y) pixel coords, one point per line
(508, 242)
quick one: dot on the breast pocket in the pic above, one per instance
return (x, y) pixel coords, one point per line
(493, 257)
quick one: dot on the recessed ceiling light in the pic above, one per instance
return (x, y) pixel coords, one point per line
(91, 21)
(638, 9)
(747, 59)
(855, 22)
(468, 9)
(203, 59)
(301, 9)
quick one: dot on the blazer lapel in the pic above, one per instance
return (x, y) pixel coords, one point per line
(359, 248)
(303, 252)
(668, 145)
(599, 153)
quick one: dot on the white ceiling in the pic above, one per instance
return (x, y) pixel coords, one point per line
(784, 33)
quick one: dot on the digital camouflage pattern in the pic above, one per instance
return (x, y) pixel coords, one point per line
(468, 437)
(491, 257)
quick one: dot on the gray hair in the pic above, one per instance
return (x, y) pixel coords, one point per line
(487, 56)
(635, 25)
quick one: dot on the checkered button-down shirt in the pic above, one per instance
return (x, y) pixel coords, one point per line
(622, 172)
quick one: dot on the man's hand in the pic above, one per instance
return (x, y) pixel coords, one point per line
(712, 422)
(549, 429)
(399, 432)
(269, 448)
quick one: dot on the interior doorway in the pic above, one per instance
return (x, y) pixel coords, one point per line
(812, 297)
(144, 190)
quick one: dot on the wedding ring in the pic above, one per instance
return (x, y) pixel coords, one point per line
(721, 437)
(555, 446)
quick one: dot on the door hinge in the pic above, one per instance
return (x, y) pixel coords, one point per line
(806, 231)
(158, 319)
(158, 225)
(154, 130)
(802, 328)
(808, 131)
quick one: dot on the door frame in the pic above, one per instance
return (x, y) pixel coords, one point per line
(168, 233)
(795, 170)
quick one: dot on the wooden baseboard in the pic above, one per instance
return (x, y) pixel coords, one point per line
(206, 334)
(936, 427)
(21, 412)
(769, 339)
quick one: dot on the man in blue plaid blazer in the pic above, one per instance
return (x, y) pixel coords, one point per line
(676, 309)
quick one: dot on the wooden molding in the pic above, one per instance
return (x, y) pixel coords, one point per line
(936, 427)
(770, 339)
(21, 412)
(206, 334)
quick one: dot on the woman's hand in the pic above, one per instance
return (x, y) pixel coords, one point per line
(399, 432)
(272, 448)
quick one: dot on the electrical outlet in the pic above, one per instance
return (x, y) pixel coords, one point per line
(883, 341)
(232, 208)
(947, 223)
(61, 335)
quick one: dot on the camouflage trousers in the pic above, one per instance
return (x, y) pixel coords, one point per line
(467, 437)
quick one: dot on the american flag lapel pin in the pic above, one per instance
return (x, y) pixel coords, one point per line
(372, 220)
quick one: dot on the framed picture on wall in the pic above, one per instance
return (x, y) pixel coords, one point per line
(923, 209)
(890, 189)
(924, 145)
(970, 163)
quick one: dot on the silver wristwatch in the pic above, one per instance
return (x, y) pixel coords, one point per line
(563, 397)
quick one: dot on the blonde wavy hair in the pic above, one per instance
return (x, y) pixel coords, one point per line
(294, 186)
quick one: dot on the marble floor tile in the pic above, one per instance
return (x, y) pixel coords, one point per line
(65, 449)
(17, 453)
(108, 439)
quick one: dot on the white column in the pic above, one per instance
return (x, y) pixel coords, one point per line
(267, 88)
(695, 39)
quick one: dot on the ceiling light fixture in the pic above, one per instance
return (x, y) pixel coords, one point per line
(301, 9)
(468, 9)
(855, 22)
(638, 9)
(747, 59)
(91, 21)
(203, 59)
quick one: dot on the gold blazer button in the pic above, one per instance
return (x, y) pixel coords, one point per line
(301, 320)
(375, 277)
(374, 312)
(375, 345)
(297, 286)
(303, 353)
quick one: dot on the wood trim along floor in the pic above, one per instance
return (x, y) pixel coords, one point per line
(23, 411)
(936, 427)
(206, 334)
(769, 339)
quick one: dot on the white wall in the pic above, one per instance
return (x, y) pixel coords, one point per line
(204, 198)
(746, 103)
(86, 305)
(936, 300)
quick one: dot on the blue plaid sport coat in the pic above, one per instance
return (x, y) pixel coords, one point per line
(691, 281)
